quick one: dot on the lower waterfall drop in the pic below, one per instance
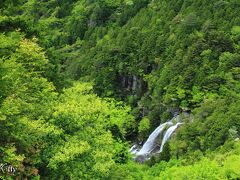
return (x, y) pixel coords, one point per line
(168, 134)
(150, 145)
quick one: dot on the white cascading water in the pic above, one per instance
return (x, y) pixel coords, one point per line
(168, 134)
(150, 144)
(133, 149)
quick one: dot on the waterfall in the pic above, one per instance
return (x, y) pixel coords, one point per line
(133, 149)
(151, 142)
(168, 134)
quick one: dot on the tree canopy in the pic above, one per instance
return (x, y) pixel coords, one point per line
(82, 80)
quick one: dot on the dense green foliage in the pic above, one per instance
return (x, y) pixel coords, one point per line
(215, 165)
(42, 130)
(79, 79)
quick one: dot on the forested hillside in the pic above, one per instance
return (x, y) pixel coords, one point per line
(81, 81)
